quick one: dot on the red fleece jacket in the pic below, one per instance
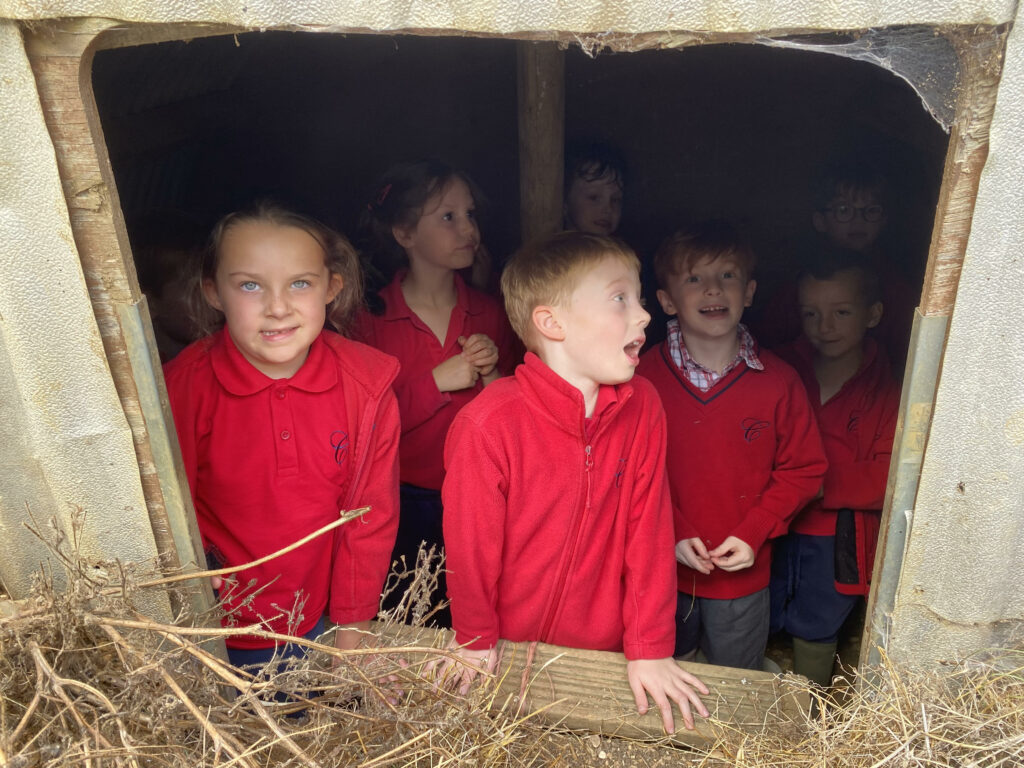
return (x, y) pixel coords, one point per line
(552, 536)
(270, 461)
(743, 459)
(857, 427)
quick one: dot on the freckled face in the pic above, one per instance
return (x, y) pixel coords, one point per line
(273, 286)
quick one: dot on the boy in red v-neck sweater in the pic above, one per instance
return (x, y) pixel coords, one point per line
(743, 452)
(557, 521)
(824, 565)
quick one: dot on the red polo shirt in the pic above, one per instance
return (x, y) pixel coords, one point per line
(426, 412)
(271, 460)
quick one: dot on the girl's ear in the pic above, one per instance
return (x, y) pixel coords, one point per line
(210, 294)
(404, 237)
(337, 282)
(547, 324)
(875, 314)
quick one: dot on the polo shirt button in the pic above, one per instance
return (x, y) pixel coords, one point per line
(285, 434)
(281, 393)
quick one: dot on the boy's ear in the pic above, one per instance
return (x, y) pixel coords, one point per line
(818, 220)
(210, 294)
(402, 236)
(748, 294)
(546, 322)
(875, 312)
(666, 302)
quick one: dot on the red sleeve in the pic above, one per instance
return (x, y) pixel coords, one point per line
(650, 567)
(418, 396)
(363, 546)
(474, 500)
(799, 469)
(860, 484)
(183, 400)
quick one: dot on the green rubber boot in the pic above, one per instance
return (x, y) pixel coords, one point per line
(814, 660)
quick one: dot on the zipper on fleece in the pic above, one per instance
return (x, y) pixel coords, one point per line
(574, 535)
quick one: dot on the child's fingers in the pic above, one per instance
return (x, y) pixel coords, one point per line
(639, 695)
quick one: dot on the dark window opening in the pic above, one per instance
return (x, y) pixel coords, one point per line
(735, 131)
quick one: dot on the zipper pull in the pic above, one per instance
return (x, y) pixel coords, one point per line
(587, 464)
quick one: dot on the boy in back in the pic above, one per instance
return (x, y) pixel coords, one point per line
(743, 454)
(557, 522)
(822, 567)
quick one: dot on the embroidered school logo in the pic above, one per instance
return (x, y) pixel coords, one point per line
(854, 422)
(752, 428)
(339, 441)
(620, 470)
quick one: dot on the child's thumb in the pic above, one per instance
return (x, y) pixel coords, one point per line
(462, 341)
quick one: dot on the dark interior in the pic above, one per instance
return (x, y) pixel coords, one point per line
(197, 129)
(730, 131)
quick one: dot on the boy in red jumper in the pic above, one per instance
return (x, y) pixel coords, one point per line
(744, 453)
(822, 567)
(557, 522)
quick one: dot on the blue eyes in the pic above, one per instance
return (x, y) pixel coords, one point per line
(251, 286)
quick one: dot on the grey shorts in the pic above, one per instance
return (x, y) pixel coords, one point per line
(730, 633)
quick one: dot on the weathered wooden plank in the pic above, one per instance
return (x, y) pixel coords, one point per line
(588, 690)
(981, 61)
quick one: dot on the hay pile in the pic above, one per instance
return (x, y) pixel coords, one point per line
(85, 680)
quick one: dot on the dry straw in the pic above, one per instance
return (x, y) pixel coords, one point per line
(85, 680)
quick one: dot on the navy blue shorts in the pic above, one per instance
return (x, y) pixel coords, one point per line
(805, 602)
(254, 659)
(419, 523)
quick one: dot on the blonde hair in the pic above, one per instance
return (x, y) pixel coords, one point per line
(340, 258)
(547, 271)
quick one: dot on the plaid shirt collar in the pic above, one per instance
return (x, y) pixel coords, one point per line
(704, 378)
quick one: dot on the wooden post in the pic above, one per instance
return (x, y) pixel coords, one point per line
(541, 92)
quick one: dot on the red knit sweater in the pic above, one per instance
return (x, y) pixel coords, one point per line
(743, 458)
(857, 426)
(554, 536)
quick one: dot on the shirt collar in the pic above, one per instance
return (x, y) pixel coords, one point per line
(561, 400)
(240, 377)
(747, 351)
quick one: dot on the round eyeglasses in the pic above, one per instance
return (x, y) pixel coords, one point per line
(845, 213)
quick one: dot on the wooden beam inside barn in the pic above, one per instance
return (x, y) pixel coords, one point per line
(541, 93)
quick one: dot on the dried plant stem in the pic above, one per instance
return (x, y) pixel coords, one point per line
(345, 518)
(219, 739)
(58, 686)
(245, 689)
(391, 753)
(230, 745)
